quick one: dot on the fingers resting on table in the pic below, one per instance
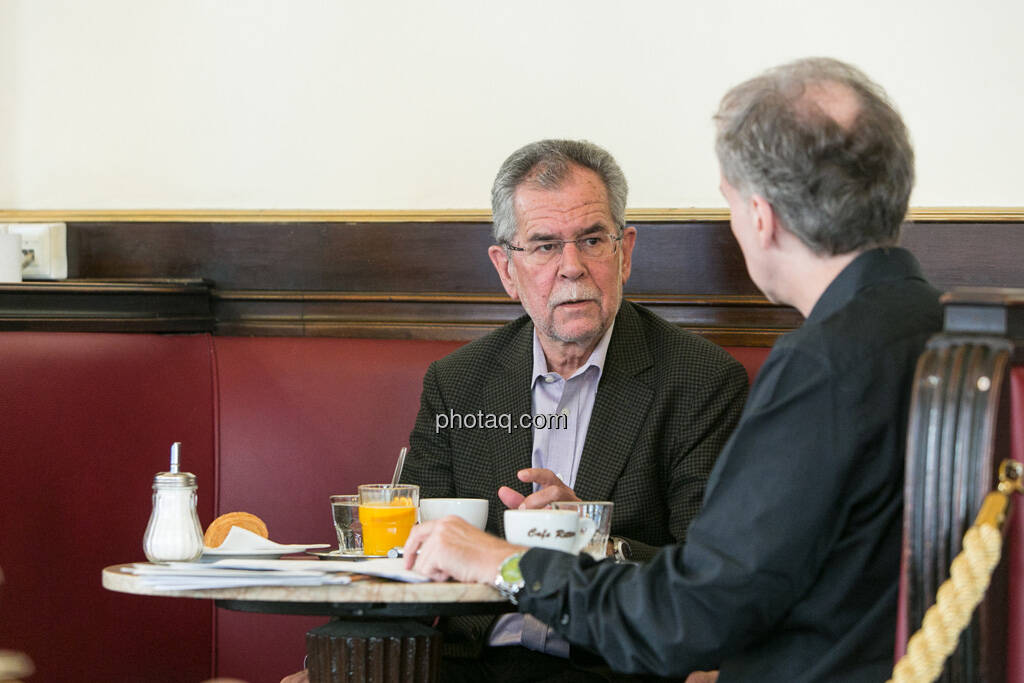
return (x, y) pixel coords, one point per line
(451, 548)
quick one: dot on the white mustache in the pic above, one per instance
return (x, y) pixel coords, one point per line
(574, 293)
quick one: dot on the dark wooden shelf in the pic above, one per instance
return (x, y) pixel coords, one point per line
(159, 305)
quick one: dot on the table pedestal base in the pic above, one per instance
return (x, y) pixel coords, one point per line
(373, 652)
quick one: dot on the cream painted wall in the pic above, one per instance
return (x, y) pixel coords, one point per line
(309, 104)
(8, 65)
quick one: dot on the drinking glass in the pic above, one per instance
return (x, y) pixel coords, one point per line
(601, 512)
(345, 510)
(387, 514)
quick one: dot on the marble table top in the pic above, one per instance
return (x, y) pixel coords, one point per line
(362, 597)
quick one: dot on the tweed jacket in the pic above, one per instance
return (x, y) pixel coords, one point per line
(666, 403)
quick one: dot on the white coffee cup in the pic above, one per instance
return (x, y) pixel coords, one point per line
(563, 530)
(473, 510)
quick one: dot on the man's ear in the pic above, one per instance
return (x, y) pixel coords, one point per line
(766, 222)
(503, 264)
(628, 242)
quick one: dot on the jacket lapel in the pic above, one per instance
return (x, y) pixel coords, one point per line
(509, 394)
(622, 402)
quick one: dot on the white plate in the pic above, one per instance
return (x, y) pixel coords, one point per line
(260, 553)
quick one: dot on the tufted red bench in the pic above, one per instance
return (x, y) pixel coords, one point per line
(272, 425)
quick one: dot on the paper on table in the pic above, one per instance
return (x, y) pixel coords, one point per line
(194, 576)
(242, 542)
(386, 567)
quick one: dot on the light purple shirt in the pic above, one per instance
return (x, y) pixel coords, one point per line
(558, 450)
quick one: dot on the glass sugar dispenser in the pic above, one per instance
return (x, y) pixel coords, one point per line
(173, 533)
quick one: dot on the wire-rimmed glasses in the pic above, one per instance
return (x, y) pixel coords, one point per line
(594, 246)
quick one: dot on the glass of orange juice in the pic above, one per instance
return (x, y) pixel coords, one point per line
(387, 514)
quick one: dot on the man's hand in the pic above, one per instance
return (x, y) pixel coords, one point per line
(552, 489)
(451, 547)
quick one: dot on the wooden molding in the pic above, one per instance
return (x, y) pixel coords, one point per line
(195, 306)
(728, 320)
(246, 216)
(967, 214)
(642, 215)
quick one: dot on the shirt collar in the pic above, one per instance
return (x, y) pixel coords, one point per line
(873, 267)
(596, 359)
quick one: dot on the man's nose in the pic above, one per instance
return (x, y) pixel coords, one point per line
(571, 264)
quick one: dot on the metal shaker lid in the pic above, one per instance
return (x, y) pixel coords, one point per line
(174, 478)
(170, 480)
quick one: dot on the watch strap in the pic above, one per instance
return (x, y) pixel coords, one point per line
(621, 550)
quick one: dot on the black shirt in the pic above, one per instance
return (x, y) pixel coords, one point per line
(790, 570)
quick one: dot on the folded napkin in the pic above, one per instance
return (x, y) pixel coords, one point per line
(241, 541)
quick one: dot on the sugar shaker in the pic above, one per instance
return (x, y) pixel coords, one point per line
(173, 533)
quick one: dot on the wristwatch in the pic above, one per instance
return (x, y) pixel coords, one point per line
(509, 581)
(620, 549)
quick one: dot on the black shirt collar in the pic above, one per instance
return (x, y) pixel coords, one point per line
(873, 267)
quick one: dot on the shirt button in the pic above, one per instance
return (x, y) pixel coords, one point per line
(549, 378)
(565, 620)
(535, 586)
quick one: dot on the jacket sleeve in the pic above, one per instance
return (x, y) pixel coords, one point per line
(429, 461)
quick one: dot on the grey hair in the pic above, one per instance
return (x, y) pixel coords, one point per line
(547, 163)
(838, 189)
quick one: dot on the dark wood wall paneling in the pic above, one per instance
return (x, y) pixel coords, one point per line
(418, 280)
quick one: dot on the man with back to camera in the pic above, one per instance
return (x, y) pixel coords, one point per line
(647, 406)
(790, 571)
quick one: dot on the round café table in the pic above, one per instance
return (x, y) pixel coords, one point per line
(376, 632)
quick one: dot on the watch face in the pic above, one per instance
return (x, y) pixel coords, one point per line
(510, 570)
(510, 580)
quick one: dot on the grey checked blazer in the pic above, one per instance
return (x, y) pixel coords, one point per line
(666, 404)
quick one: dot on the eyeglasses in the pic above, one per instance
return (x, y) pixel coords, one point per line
(595, 246)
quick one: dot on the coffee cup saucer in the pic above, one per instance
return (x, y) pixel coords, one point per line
(337, 554)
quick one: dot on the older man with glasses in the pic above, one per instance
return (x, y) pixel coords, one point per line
(643, 408)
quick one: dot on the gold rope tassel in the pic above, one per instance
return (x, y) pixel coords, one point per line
(969, 576)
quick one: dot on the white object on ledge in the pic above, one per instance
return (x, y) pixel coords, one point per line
(10, 256)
